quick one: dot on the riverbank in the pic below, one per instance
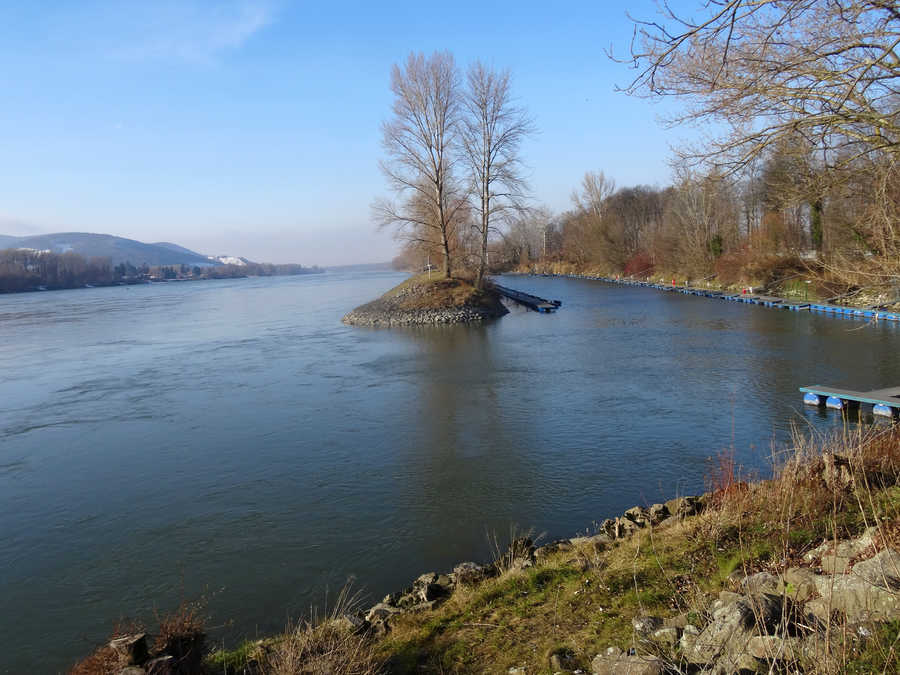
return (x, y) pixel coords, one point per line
(794, 287)
(421, 300)
(799, 572)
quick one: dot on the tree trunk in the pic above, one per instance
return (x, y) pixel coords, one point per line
(446, 246)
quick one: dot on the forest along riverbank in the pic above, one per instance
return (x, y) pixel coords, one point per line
(801, 571)
(794, 289)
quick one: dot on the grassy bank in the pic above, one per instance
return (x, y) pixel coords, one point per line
(784, 278)
(832, 505)
(424, 291)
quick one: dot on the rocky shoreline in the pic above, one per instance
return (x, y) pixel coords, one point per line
(399, 308)
(796, 573)
(764, 620)
(380, 313)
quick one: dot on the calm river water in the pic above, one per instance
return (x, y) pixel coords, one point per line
(232, 440)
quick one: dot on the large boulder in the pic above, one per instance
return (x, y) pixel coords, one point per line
(469, 573)
(658, 513)
(381, 611)
(638, 515)
(799, 583)
(838, 561)
(881, 570)
(733, 625)
(612, 663)
(684, 507)
(762, 582)
(867, 593)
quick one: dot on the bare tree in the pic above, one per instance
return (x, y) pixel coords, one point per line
(826, 70)
(418, 141)
(586, 230)
(492, 135)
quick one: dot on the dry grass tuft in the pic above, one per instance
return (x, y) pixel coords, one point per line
(331, 645)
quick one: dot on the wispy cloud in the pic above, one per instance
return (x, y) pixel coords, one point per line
(194, 31)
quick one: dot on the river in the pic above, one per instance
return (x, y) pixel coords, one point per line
(232, 441)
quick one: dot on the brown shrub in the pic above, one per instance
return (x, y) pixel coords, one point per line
(182, 636)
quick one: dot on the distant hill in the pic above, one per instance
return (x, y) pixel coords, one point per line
(117, 249)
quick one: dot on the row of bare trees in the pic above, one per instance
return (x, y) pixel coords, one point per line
(805, 93)
(26, 269)
(452, 157)
(807, 167)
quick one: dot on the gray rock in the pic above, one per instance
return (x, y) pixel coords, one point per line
(881, 570)
(855, 597)
(132, 670)
(381, 611)
(517, 670)
(837, 561)
(725, 599)
(607, 664)
(736, 664)
(774, 648)
(800, 583)
(131, 649)
(469, 573)
(816, 553)
(733, 625)
(666, 637)
(644, 625)
(689, 636)
(350, 623)
(762, 582)
(624, 527)
(678, 621)
(609, 527)
(658, 513)
(638, 515)
(426, 588)
(684, 507)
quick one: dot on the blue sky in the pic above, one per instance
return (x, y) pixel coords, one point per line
(252, 127)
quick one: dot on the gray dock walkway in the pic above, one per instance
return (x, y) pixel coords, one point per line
(528, 300)
(888, 397)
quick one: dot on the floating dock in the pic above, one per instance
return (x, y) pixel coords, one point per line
(530, 301)
(884, 402)
(867, 314)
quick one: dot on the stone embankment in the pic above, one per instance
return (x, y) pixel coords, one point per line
(399, 309)
(766, 621)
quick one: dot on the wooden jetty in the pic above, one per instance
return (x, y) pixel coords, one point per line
(530, 301)
(884, 402)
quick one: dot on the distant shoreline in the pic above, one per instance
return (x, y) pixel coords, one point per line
(147, 282)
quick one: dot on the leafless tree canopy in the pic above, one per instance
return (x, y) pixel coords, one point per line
(493, 130)
(418, 142)
(825, 70)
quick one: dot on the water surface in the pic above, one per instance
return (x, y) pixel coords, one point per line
(233, 440)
